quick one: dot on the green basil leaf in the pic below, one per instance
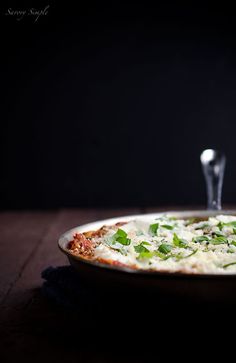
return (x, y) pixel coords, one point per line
(231, 224)
(178, 257)
(229, 264)
(179, 242)
(191, 254)
(181, 257)
(145, 255)
(167, 226)
(153, 229)
(200, 239)
(124, 241)
(164, 248)
(203, 226)
(121, 237)
(121, 233)
(140, 248)
(220, 225)
(233, 243)
(218, 240)
(217, 234)
(161, 255)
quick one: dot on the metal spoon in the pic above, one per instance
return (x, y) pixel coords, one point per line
(213, 165)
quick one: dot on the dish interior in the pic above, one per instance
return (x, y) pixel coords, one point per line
(205, 246)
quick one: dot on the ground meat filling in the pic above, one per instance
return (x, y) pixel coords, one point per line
(82, 245)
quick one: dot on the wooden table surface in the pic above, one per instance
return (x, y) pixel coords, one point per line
(28, 245)
(31, 327)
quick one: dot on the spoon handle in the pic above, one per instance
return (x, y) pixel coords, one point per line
(213, 165)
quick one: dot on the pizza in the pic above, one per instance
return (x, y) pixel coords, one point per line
(163, 244)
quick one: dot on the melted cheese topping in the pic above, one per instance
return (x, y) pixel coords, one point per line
(174, 245)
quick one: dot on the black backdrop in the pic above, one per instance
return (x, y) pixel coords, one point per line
(111, 105)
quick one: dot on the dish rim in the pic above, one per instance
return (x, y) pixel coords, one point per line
(67, 236)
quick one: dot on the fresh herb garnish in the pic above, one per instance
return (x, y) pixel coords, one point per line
(231, 224)
(233, 243)
(200, 239)
(220, 225)
(119, 233)
(161, 255)
(146, 255)
(121, 237)
(203, 226)
(191, 254)
(153, 229)
(218, 240)
(181, 257)
(217, 234)
(149, 254)
(164, 248)
(229, 264)
(179, 242)
(140, 248)
(167, 226)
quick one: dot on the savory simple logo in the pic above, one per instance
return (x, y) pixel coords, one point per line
(20, 14)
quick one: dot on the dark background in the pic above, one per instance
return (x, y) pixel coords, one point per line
(111, 105)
